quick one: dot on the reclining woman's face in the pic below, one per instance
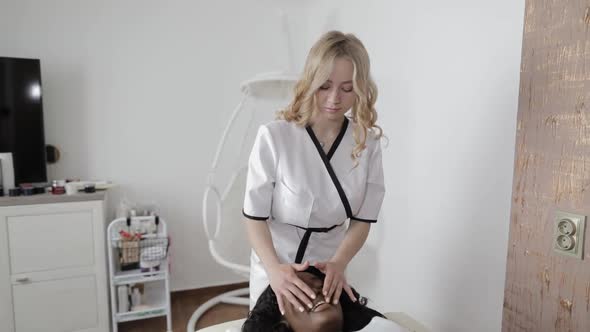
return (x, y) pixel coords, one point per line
(324, 316)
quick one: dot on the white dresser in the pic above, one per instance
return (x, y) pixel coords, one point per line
(53, 272)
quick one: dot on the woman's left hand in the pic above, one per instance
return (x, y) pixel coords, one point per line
(335, 281)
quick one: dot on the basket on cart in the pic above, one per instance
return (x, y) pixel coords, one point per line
(142, 253)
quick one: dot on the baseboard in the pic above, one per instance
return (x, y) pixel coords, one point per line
(215, 288)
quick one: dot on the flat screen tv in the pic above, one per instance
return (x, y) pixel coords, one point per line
(21, 118)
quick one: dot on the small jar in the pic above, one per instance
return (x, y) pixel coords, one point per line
(58, 187)
(71, 189)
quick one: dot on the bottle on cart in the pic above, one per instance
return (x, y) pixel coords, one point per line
(123, 298)
(135, 297)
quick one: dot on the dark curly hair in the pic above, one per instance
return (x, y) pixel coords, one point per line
(266, 317)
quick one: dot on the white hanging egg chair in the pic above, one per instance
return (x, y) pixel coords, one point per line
(263, 95)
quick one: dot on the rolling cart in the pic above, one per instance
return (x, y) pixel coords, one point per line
(138, 269)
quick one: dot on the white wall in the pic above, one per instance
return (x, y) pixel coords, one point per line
(448, 74)
(136, 92)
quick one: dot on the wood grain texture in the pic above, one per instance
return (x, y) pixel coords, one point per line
(184, 303)
(545, 291)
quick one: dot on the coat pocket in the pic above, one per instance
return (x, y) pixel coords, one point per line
(291, 207)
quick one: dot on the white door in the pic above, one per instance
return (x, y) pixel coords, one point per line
(56, 305)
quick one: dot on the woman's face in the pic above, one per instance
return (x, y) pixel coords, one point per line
(336, 96)
(324, 317)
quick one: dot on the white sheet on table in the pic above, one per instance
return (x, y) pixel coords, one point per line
(377, 324)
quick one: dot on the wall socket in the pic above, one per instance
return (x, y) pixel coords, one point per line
(568, 235)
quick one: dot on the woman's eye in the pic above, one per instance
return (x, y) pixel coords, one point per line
(324, 87)
(347, 90)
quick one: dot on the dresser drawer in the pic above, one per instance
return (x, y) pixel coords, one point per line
(57, 305)
(50, 241)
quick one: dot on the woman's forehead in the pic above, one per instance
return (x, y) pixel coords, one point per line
(309, 278)
(342, 71)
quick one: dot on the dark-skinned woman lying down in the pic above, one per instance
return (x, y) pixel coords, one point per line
(344, 316)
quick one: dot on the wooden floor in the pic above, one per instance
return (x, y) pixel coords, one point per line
(184, 303)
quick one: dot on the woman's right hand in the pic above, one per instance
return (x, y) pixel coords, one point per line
(287, 285)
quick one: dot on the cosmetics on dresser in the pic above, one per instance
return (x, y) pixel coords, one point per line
(58, 187)
(27, 190)
(13, 192)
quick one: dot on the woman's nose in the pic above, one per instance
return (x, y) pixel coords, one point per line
(334, 96)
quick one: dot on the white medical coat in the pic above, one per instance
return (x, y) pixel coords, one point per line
(306, 195)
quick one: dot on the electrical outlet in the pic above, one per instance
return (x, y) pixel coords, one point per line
(568, 235)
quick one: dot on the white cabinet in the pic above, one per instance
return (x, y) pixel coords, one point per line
(53, 275)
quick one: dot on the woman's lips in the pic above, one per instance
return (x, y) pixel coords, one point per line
(320, 306)
(331, 110)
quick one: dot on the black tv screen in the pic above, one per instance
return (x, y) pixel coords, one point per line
(21, 118)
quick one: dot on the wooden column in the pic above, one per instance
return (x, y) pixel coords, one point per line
(545, 291)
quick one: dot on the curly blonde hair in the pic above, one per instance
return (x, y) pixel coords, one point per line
(317, 70)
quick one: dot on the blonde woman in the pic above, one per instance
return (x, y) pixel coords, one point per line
(310, 171)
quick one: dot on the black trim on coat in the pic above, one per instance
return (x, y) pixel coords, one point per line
(305, 240)
(253, 217)
(326, 161)
(302, 246)
(364, 220)
(338, 139)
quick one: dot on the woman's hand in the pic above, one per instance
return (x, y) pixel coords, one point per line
(287, 285)
(335, 280)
